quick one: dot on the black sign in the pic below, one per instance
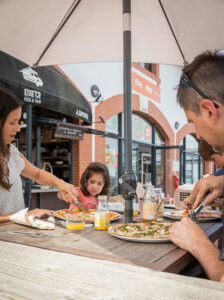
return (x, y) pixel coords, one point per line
(65, 130)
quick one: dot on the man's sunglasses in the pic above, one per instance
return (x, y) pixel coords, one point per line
(185, 81)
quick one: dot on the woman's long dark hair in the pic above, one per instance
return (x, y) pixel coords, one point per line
(94, 168)
(8, 103)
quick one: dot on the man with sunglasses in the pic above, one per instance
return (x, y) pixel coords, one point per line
(201, 95)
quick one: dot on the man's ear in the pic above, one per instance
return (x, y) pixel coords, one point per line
(208, 106)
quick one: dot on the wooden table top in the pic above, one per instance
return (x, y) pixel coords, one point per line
(101, 245)
(33, 273)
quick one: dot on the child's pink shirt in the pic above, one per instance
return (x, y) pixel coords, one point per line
(91, 201)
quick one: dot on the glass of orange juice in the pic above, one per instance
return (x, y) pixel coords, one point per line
(75, 223)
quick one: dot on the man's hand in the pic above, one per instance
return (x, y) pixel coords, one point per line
(186, 234)
(212, 184)
(40, 213)
(189, 201)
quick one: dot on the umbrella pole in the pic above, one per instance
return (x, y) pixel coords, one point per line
(29, 152)
(128, 179)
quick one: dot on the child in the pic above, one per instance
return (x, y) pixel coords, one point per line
(95, 181)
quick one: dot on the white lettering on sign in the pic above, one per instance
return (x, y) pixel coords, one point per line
(148, 89)
(32, 96)
(82, 114)
(138, 83)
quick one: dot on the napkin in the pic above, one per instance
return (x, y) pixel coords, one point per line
(21, 217)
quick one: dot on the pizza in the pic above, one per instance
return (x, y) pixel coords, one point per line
(88, 215)
(178, 214)
(142, 230)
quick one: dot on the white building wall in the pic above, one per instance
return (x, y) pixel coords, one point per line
(170, 76)
(109, 78)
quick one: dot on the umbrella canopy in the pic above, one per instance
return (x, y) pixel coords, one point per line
(43, 86)
(165, 31)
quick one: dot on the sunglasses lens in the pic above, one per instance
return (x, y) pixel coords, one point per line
(184, 81)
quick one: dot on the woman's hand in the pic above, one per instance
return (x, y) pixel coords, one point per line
(40, 213)
(67, 192)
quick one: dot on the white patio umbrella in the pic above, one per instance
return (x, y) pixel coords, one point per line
(69, 31)
(94, 30)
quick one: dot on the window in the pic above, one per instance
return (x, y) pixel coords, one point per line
(160, 153)
(141, 130)
(147, 66)
(111, 154)
(191, 160)
(147, 163)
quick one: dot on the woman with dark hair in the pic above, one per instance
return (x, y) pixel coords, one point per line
(95, 181)
(13, 164)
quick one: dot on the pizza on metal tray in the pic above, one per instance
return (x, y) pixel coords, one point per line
(202, 214)
(145, 230)
(75, 213)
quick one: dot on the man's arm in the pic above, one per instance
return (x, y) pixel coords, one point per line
(188, 235)
(208, 256)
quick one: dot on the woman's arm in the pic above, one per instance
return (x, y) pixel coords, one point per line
(67, 190)
(5, 218)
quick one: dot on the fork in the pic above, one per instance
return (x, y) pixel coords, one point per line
(197, 210)
(82, 205)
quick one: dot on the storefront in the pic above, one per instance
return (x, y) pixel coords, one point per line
(49, 98)
(147, 160)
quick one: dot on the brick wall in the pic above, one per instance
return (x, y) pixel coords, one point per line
(82, 156)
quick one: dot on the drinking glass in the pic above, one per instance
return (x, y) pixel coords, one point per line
(75, 223)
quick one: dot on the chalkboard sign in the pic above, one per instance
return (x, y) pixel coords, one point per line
(65, 130)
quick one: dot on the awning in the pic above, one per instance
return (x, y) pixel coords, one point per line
(43, 86)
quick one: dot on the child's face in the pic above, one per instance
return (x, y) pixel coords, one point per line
(95, 184)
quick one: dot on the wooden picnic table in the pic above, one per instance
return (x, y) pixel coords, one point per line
(33, 273)
(101, 245)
